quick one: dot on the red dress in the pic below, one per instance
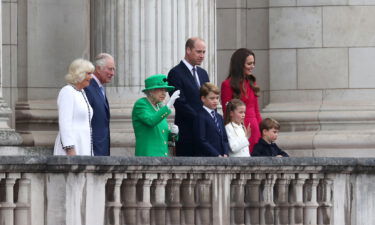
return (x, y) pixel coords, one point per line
(252, 115)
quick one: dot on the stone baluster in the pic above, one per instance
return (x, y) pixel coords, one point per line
(296, 199)
(6, 204)
(252, 198)
(158, 201)
(143, 200)
(22, 199)
(324, 201)
(173, 216)
(188, 200)
(129, 200)
(237, 201)
(282, 200)
(267, 215)
(204, 208)
(113, 201)
(310, 200)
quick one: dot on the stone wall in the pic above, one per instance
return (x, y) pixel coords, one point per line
(314, 67)
(204, 191)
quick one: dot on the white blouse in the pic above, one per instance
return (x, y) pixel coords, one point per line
(75, 115)
(238, 142)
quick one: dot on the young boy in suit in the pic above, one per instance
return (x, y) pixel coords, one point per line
(209, 131)
(269, 128)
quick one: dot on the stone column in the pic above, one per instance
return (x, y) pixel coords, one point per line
(267, 215)
(204, 199)
(188, 200)
(310, 198)
(173, 193)
(253, 199)
(158, 201)
(144, 201)
(237, 201)
(7, 203)
(22, 199)
(148, 37)
(113, 202)
(8, 136)
(325, 201)
(129, 200)
(282, 200)
(296, 199)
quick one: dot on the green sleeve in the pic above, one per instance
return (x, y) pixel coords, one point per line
(146, 114)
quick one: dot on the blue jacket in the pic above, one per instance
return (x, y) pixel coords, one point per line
(100, 119)
(209, 141)
(187, 105)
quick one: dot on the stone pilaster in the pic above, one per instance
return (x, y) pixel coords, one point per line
(237, 203)
(8, 136)
(148, 37)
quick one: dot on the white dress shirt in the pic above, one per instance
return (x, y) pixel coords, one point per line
(238, 142)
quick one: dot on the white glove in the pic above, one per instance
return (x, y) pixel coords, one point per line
(174, 129)
(173, 98)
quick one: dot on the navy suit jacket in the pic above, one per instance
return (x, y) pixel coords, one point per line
(187, 105)
(210, 141)
(100, 119)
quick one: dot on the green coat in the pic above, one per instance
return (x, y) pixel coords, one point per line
(150, 128)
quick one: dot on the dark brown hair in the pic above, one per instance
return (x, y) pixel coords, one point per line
(231, 106)
(206, 88)
(237, 63)
(268, 124)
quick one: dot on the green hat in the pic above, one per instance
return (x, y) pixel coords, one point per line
(157, 81)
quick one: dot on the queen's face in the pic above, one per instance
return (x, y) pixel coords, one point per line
(158, 94)
(249, 65)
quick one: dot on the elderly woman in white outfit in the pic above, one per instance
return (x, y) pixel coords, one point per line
(75, 112)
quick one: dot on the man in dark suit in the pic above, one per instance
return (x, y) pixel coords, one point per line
(210, 135)
(188, 77)
(104, 71)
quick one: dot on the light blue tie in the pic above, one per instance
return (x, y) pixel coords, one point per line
(102, 90)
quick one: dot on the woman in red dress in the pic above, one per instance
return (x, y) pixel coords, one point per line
(241, 84)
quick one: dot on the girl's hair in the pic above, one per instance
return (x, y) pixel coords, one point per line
(231, 106)
(237, 63)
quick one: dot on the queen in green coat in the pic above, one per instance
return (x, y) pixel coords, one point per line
(149, 118)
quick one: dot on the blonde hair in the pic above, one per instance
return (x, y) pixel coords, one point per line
(77, 71)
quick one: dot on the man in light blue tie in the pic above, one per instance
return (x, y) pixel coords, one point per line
(104, 71)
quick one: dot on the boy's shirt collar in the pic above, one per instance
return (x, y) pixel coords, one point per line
(208, 109)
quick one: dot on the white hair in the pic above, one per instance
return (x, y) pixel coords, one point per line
(77, 71)
(101, 59)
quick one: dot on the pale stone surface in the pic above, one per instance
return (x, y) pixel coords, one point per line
(295, 27)
(295, 96)
(231, 24)
(283, 69)
(257, 3)
(322, 68)
(356, 30)
(278, 3)
(321, 2)
(6, 22)
(261, 71)
(231, 4)
(50, 53)
(361, 2)
(223, 62)
(361, 67)
(257, 29)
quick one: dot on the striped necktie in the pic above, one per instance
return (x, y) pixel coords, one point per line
(195, 75)
(215, 120)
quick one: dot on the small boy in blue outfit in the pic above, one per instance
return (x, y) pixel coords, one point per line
(266, 146)
(209, 131)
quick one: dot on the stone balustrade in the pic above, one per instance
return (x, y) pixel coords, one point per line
(186, 191)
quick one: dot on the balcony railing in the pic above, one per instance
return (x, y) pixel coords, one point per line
(176, 191)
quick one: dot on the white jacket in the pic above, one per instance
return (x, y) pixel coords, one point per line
(75, 115)
(238, 142)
